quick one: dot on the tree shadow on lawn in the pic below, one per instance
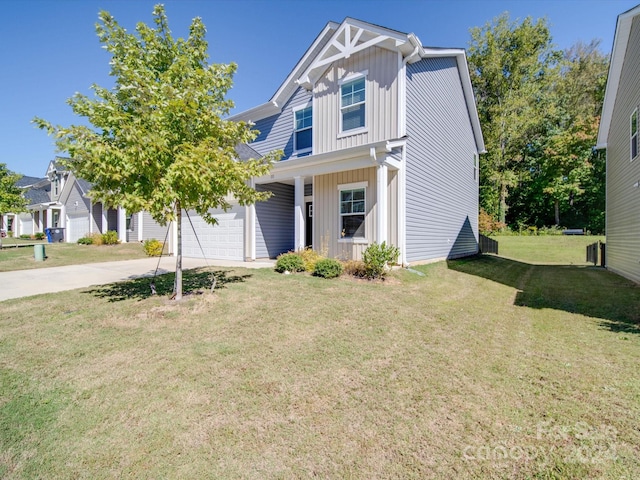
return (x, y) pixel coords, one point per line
(194, 282)
(589, 291)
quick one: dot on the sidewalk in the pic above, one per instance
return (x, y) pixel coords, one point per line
(24, 283)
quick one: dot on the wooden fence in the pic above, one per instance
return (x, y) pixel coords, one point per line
(488, 245)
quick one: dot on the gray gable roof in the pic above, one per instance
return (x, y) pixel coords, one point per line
(37, 195)
(84, 185)
(26, 181)
(245, 152)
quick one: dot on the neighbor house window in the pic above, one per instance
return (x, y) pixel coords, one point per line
(634, 134)
(475, 166)
(56, 186)
(352, 104)
(352, 212)
(302, 135)
(129, 222)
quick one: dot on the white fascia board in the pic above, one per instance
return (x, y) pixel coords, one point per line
(256, 113)
(274, 105)
(619, 49)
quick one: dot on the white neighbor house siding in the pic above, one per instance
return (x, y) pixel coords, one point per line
(441, 191)
(623, 196)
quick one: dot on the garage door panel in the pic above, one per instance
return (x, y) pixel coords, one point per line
(77, 227)
(223, 241)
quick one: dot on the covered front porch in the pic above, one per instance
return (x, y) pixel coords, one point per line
(337, 203)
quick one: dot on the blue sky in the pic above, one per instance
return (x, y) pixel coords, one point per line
(49, 49)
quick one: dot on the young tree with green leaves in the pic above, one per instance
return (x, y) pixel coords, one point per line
(158, 141)
(513, 66)
(11, 198)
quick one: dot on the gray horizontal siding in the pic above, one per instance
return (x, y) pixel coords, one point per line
(152, 229)
(276, 132)
(77, 204)
(275, 221)
(441, 191)
(623, 198)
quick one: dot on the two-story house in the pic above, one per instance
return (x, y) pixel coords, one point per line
(381, 139)
(618, 133)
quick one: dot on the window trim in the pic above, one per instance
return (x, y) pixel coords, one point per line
(294, 110)
(345, 187)
(346, 80)
(475, 166)
(633, 136)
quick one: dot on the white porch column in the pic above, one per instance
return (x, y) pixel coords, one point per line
(140, 220)
(105, 219)
(122, 225)
(49, 213)
(299, 213)
(382, 204)
(402, 210)
(90, 216)
(62, 223)
(250, 229)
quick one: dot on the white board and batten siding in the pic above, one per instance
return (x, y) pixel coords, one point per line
(381, 90)
(442, 183)
(623, 174)
(223, 241)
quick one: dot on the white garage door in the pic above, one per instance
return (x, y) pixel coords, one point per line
(77, 227)
(223, 241)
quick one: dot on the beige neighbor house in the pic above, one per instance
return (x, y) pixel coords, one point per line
(619, 135)
(381, 139)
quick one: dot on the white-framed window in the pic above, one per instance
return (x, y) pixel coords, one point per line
(353, 205)
(129, 222)
(353, 103)
(56, 186)
(303, 129)
(633, 124)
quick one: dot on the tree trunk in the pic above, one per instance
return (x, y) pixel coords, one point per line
(502, 209)
(178, 284)
(556, 205)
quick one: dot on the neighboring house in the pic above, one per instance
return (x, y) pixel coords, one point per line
(60, 200)
(23, 223)
(619, 135)
(381, 139)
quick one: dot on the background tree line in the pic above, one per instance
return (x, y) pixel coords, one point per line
(540, 110)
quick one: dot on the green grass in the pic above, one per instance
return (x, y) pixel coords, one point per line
(59, 254)
(482, 368)
(561, 249)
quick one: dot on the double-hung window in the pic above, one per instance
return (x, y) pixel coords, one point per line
(352, 103)
(634, 134)
(302, 130)
(352, 212)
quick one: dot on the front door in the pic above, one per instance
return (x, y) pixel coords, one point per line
(309, 225)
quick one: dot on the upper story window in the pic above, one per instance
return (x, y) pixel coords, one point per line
(634, 134)
(302, 130)
(56, 186)
(352, 103)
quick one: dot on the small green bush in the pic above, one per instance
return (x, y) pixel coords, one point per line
(110, 238)
(25, 236)
(377, 258)
(328, 268)
(289, 262)
(39, 236)
(85, 241)
(153, 247)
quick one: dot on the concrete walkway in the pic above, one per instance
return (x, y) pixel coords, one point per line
(24, 283)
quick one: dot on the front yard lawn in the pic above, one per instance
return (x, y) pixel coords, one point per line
(481, 368)
(59, 254)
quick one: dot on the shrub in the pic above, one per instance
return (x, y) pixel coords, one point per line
(85, 241)
(110, 238)
(96, 238)
(309, 257)
(377, 258)
(354, 268)
(487, 224)
(289, 262)
(25, 236)
(328, 268)
(153, 247)
(39, 236)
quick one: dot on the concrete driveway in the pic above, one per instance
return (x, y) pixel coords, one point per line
(24, 283)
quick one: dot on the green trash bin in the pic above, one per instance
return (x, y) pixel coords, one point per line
(38, 252)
